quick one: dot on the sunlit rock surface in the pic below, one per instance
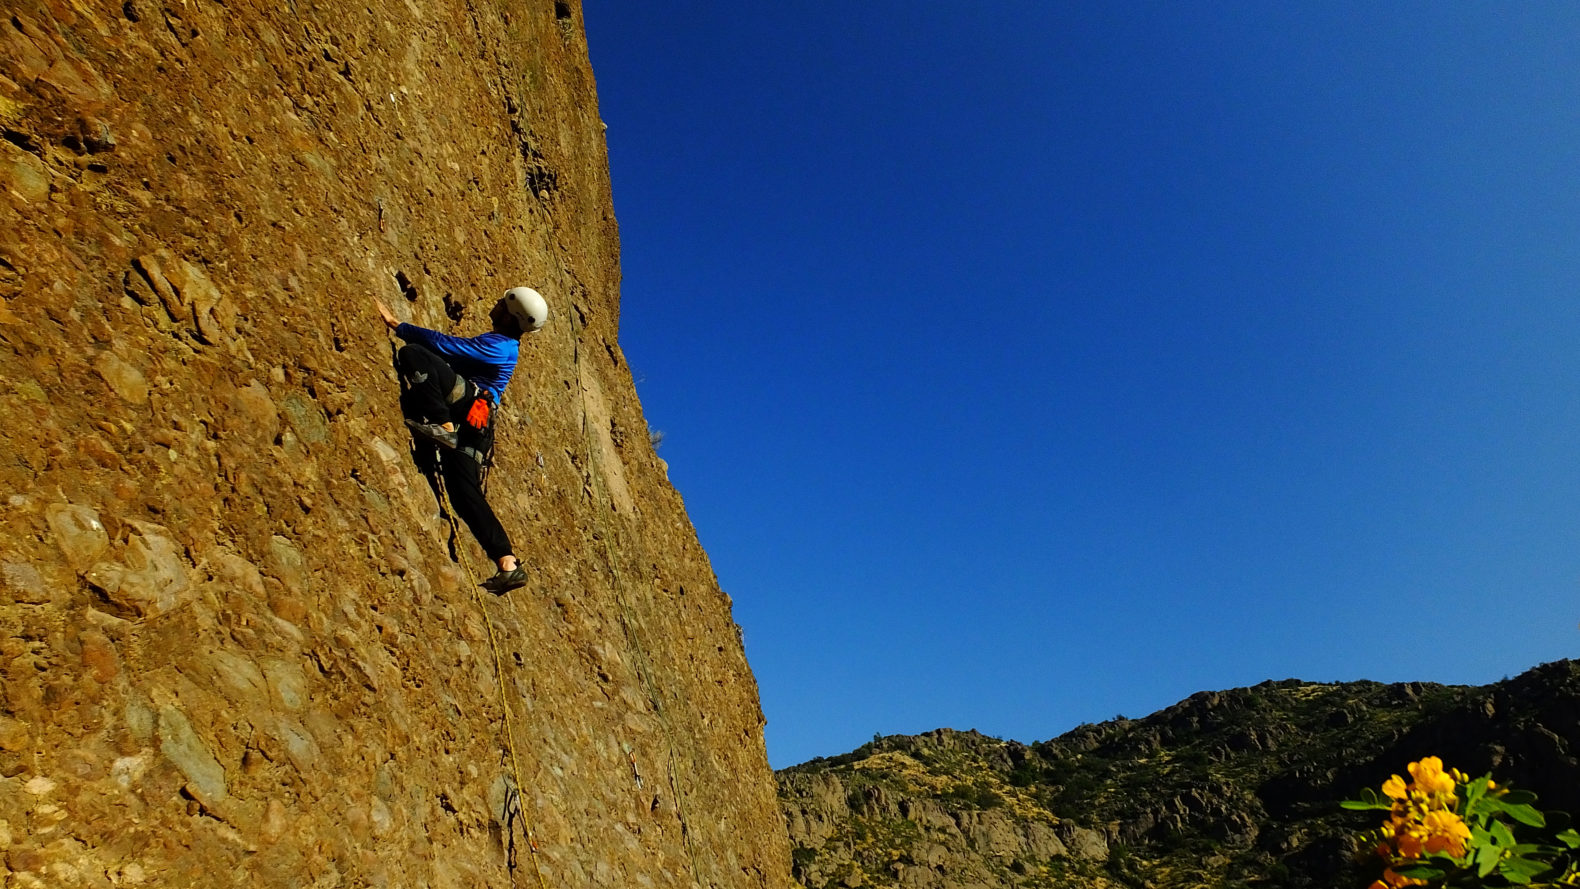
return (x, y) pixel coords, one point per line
(234, 647)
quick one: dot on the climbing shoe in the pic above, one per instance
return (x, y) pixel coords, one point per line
(505, 581)
(434, 432)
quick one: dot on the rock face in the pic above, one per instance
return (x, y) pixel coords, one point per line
(1236, 788)
(234, 646)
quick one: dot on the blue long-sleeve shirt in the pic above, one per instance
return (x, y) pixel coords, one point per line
(488, 359)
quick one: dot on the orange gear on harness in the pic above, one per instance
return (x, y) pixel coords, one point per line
(477, 417)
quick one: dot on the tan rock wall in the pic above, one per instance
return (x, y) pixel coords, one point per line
(234, 649)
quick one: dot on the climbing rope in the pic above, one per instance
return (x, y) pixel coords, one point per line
(627, 618)
(514, 793)
(513, 805)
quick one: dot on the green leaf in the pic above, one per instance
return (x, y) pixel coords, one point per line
(1570, 838)
(1525, 814)
(1502, 833)
(1419, 872)
(1368, 800)
(1524, 867)
(1519, 797)
(1361, 804)
(1487, 858)
(1487, 804)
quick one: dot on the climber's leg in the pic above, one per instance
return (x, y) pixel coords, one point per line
(463, 482)
(430, 385)
(432, 388)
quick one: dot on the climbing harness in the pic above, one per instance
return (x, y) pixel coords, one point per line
(482, 448)
(480, 417)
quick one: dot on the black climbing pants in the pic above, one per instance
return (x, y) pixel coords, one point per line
(435, 393)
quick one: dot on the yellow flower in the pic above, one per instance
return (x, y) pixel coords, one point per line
(1410, 844)
(1445, 832)
(1393, 788)
(1429, 777)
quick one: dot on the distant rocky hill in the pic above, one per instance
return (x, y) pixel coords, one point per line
(1225, 789)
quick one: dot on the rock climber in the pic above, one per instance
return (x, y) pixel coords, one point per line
(452, 386)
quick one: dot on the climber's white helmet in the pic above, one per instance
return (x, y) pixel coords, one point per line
(528, 307)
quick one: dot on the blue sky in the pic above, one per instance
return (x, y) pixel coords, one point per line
(1025, 364)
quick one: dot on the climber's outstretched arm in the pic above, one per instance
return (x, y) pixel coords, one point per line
(384, 312)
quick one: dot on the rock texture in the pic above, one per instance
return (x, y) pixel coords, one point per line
(933, 811)
(234, 647)
(1236, 788)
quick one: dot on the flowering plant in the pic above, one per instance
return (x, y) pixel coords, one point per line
(1446, 829)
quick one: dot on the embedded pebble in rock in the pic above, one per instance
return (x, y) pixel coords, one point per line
(241, 642)
(274, 822)
(286, 683)
(286, 564)
(99, 657)
(252, 416)
(182, 746)
(24, 583)
(13, 734)
(79, 533)
(237, 573)
(149, 578)
(237, 675)
(26, 177)
(128, 770)
(123, 379)
(306, 418)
